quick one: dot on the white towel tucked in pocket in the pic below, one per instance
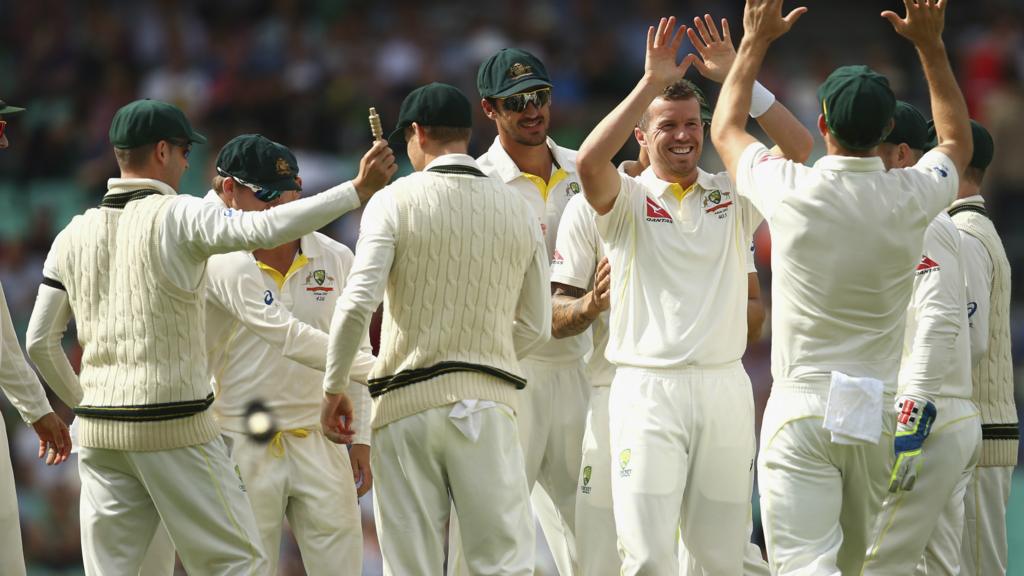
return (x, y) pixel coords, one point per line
(854, 411)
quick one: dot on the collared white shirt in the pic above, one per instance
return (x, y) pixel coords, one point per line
(936, 346)
(249, 364)
(548, 199)
(846, 236)
(978, 272)
(679, 271)
(577, 253)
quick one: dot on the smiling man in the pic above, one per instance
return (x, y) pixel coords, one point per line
(681, 409)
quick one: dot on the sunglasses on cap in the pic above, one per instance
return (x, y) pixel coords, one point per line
(261, 194)
(519, 102)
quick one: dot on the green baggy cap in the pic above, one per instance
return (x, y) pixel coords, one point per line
(435, 104)
(910, 127)
(148, 121)
(6, 108)
(265, 166)
(509, 72)
(857, 104)
(984, 146)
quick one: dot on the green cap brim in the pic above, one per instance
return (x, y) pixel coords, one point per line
(10, 110)
(282, 185)
(397, 137)
(197, 138)
(523, 86)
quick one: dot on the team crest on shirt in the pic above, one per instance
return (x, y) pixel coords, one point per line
(656, 213)
(717, 202)
(320, 283)
(927, 266)
(624, 469)
(572, 189)
(587, 472)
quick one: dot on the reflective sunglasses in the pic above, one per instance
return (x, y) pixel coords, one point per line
(519, 102)
(185, 145)
(261, 194)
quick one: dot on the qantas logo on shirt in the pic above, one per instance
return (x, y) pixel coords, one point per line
(656, 213)
(927, 266)
(557, 258)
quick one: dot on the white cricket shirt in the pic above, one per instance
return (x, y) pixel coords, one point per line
(577, 251)
(249, 366)
(936, 346)
(679, 263)
(547, 199)
(846, 236)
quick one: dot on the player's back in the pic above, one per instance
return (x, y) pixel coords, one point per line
(463, 245)
(845, 244)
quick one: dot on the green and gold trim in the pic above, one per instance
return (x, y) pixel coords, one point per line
(146, 412)
(385, 384)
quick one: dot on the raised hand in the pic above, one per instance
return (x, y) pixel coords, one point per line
(763, 20)
(603, 285)
(375, 170)
(716, 50)
(924, 21)
(662, 50)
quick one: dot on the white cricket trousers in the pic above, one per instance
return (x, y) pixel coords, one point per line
(819, 500)
(194, 490)
(552, 415)
(682, 452)
(923, 527)
(595, 520)
(423, 464)
(12, 557)
(984, 538)
(309, 481)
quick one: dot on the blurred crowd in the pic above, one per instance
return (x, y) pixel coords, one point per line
(304, 72)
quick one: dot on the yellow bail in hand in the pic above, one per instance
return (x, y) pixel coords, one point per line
(277, 442)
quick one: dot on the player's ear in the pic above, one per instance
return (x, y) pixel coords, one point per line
(822, 127)
(488, 108)
(419, 133)
(641, 138)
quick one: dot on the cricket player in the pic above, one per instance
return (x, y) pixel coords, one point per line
(846, 236)
(22, 387)
(515, 92)
(300, 469)
(681, 411)
(988, 302)
(132, 272)
(456, 319)
(913, 529)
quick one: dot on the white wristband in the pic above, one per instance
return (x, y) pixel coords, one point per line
(761, 99)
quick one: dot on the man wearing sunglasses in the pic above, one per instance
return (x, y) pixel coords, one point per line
(300, 468)
(132, 272)
(515, 93)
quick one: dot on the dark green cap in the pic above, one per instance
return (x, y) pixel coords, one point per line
(6, 108)
(509, 72)
(265, 166)
(435, 104)
(147, 121)
(910, 127)
(984, 147)
(858, 105)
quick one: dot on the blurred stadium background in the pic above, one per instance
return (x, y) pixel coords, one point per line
(304, 73)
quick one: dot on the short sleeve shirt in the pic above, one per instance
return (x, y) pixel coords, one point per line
(679, 271)
(846, 237)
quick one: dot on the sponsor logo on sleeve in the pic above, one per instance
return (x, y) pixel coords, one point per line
(268, 297)
(557, 258)
(941, 170)
(927, 266)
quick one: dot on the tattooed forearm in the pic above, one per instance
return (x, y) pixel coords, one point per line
(571, 311)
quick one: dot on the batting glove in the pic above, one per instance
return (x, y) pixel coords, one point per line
(914, 419)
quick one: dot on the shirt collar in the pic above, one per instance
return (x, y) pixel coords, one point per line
(309, 245)
(117, 186)
(452, 160)
(508, 170)
(661, 187)
(850, 164)
(977, 200)
(214, 198)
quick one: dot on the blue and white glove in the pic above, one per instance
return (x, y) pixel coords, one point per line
(914, 419)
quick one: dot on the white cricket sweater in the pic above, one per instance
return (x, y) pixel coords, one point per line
(992, 375)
